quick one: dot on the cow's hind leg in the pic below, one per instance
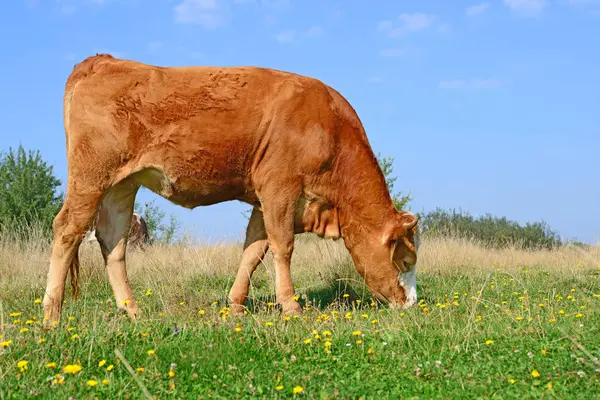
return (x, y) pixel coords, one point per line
(112, 232)
(69, 228)
(255, 248)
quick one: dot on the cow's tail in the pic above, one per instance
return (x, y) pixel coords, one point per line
(74, 275)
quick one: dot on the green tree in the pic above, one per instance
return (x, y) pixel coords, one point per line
(158, 230)
(401, 202)
(28, 190)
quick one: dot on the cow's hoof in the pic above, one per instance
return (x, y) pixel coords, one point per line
(291, 308)
(237, 309)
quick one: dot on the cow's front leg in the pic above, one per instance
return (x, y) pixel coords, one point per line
(278, 214)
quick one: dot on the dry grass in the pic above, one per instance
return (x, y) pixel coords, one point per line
(315, 261)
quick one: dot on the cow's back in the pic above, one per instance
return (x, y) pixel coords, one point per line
(199, 135)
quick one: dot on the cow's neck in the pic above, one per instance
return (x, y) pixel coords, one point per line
(364, 200)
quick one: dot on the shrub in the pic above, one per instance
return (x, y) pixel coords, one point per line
(488, 229)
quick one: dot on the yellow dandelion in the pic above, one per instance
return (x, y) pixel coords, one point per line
(171, 373)
(70, 329)
(15, 314)
(23, 330)
(148, 292)
(326, 333)
(37, 301)
(307, 341)
(549, 385)
(51, 365)
(511, 381)
(72, 368)
(101, 363)
(6, 343)
(75, 336)
(140, 369)
(110, 367)
(105, 381)
(29, 322)
(71, 318)
(238, 329)
(201, 312)
(92, 383)
(356, 333)
(365, 316)
(279, 387)
(374, 321)
(22, 365)
(298, 389)
(489, 341)
(41, 340)
(268, 323)
(544, 352)
(535, 374)
(346, 295)
(359, 342)
(370, 351)
(579, 315)
(150, 352)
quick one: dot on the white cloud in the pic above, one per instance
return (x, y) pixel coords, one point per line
(314, 31)
(406, 23)
(207, 13)
(287, 36)
(416, 21)
(485, 83)
(474, 83)
(477, 9)
(526, 7)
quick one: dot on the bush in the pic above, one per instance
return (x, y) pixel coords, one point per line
(157, 230)
(489, 230)
(28, 191)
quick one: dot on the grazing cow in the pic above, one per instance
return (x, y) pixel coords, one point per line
(289, 145)
(138, 231)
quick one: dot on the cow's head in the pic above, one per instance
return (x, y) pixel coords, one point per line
(386, 257)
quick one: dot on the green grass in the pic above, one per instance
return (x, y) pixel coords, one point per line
(474, 335)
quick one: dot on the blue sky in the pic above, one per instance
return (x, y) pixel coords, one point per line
(488, 106)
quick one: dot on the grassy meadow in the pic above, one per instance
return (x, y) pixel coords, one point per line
(490, 324)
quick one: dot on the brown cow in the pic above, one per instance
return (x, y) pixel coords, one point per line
(287, 144)
(138, 231)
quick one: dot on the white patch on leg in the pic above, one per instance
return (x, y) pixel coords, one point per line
(408, 281)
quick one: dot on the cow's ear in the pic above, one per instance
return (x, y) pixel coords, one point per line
(408, 220)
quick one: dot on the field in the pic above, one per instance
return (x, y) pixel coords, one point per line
(490, 324)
